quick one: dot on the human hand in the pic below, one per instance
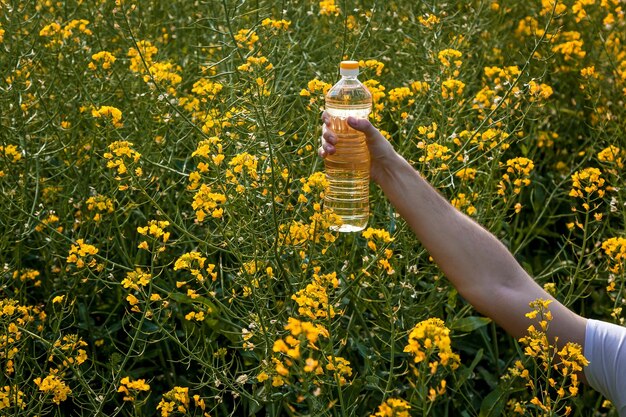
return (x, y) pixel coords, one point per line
(382, 154)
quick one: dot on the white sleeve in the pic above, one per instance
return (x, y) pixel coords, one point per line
(605, 349)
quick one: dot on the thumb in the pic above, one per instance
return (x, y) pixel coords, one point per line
(363, 125)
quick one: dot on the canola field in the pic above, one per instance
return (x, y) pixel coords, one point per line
(164, 247)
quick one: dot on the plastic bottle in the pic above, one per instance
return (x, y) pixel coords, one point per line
(348, 169)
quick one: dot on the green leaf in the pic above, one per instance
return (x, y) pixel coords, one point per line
(469, 324)
(493, 404)
(465, 372)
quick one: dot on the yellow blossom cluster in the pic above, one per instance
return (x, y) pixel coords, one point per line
(374, 236)
(83, 255)
(429, 20)
(2, 32)
(246, 38)
(156, 230)
(539, 92)
(517, 175)
(110, 113)
(615, 249)
(313, 300)
(578, 8)
(429, 131)
(382, 237)
(435, 153)
(396, 95)
(464, 202)
(400, 99)
(10, 395)
(164, 73)
(99, 204)
(256, 63)
(141, 57)
(378, 94)
(393, 407)
(466, 174)
(428, 337)
(53, 384)
(316, 90)
(51, 220)
(206, 202)
(11, 153)
(612, 155)
(298, 233)
(556, 374)
(28, 275)
(570, 46)
(195, 263)
(244, 168)
(587, 182)
(497, 81)
(135, 279)
(59, 34)
(130, 388)
(72, 352)
(452, 88)
(372, 64)
(316, 183)
(281, 24)
(206, 88)
(487, 140)
(340, 367)
(174, 401)
(211, 150)
(329, 7)
(120, 153)
(420, 87)
(102, 59)
(450, 58)
(15, 318)
(289, 361)
(547, 6)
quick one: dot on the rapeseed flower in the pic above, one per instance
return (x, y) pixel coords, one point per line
(130, 388)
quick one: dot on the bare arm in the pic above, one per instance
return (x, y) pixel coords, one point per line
(481, 268)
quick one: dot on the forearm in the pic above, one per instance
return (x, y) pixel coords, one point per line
(476, 263)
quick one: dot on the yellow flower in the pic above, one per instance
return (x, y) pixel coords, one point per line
(393, 407)
(430, 336)
(276, 24)
(448, 55)
(466, 174)
(452, 88)
(377, 66)
(82, 255)
(587, 182)
(103, 58)
(58, 299)
(328, 7)
(131, 388)
(113, 114)
(429, 20)
(54, 385)
(140, 55)
(571, 46)
(517, 175)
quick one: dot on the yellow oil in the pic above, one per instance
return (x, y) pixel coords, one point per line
(348, 169)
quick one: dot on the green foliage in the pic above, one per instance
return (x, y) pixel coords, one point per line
(164, 246)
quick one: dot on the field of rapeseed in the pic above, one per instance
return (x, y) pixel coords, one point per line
(164, 249)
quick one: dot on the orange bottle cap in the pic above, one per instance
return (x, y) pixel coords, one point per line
(349, 65)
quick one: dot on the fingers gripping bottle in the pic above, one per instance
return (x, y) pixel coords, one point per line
(348, 170)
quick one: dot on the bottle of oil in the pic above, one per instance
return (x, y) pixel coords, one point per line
(348, 169)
